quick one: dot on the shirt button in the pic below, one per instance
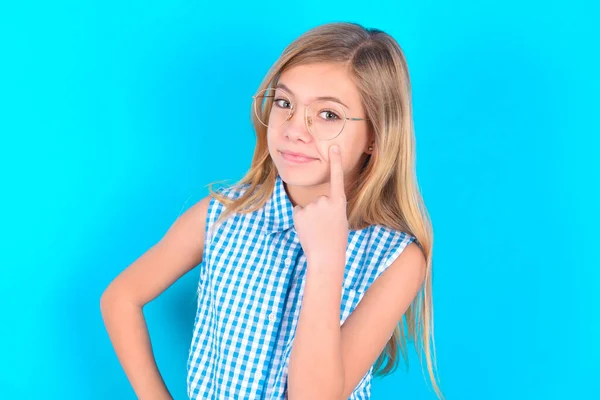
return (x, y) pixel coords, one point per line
(288, 261)
(272, 317)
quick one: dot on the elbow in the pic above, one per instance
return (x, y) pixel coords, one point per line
(105, 300)
(109, 298)
(116, 298)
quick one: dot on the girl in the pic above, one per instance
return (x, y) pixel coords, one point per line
(310, 263)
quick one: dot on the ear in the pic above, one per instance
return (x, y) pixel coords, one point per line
(370, 147)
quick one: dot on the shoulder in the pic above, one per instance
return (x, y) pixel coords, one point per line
(401, 260)
(195, 216)
(396, 246)
(201, 207)
(412, 255)
(232, 192)
(407, 270)
(405, 254)
(389, 239)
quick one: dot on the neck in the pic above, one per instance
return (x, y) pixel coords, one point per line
(304, 195)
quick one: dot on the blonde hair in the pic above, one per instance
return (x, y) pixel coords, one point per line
(387, 192)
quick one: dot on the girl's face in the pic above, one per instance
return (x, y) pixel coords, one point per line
(305, 84)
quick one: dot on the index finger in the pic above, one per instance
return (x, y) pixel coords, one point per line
(337, 189)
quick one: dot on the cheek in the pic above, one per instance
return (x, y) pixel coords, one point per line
(351, 149)
(323, 150)
(271, 140)
(347, 154)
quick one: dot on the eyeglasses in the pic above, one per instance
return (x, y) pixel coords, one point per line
(324, 119)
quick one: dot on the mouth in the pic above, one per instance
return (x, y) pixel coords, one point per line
(296, 158)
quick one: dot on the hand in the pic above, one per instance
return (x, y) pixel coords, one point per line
(322, 226)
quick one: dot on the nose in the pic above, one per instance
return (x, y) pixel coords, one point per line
(295, 127)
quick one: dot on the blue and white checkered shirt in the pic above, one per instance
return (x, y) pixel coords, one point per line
(249, 294)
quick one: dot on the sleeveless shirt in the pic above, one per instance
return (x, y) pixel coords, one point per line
(250, 291)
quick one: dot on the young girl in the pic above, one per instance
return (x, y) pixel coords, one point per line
(309, 263)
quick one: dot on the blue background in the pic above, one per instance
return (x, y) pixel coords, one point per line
(114, 118)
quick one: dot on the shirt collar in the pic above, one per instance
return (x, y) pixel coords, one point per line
(278, 210)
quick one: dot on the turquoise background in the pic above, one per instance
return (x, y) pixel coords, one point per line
(114, 117)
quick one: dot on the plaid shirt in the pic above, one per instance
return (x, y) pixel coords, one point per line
(249, 294)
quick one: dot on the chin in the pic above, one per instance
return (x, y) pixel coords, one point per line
(300, 178)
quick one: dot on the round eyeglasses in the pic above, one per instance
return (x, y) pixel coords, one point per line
(325, 119)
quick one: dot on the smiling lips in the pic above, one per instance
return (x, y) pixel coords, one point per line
(296, 157)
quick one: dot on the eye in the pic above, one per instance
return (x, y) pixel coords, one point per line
(328, 115)
(282, 103)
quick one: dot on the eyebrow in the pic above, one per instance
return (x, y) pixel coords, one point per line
(330, 98)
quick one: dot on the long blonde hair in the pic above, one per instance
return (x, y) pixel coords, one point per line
(387, 192)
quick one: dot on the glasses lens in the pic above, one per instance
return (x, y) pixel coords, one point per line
(325, 119)
(272, 107)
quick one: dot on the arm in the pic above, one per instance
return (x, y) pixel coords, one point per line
(152, 273)
(315, 370)
(327, 362)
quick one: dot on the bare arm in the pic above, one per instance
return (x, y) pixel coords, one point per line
(328, 361)
(316, 364)
(152, 273)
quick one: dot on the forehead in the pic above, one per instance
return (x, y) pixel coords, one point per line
(310, 81)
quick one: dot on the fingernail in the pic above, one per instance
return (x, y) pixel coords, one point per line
(335, 149)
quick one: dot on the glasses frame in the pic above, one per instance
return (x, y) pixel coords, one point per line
(306, 107)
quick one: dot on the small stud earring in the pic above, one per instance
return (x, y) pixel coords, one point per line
(370, 148)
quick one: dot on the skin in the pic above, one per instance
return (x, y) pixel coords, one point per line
(306, 182)
(327, 360)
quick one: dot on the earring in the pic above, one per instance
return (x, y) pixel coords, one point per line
(370, 148)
